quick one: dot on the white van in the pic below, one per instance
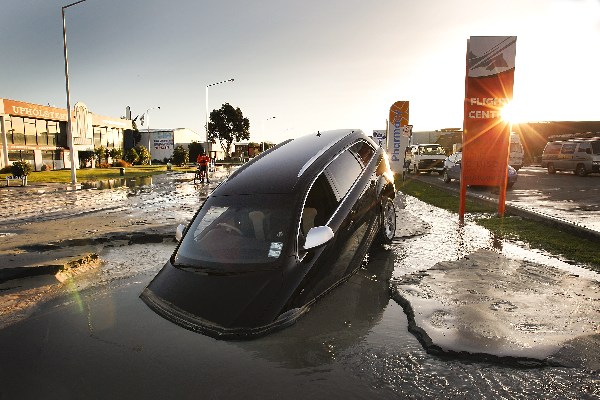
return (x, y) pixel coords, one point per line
(581, 156)
(515, 152)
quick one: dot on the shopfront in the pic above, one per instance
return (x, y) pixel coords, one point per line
(38, 134)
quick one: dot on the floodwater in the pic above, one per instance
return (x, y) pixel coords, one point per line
(95, 338)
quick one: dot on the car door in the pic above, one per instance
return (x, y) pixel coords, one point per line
(343, 184)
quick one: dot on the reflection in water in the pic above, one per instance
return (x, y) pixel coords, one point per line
(340, 320)
(138, 181)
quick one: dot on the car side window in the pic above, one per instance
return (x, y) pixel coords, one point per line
(330, 188)
(342, 173)
(319, 205)
(568, 148)
(363, 152)
(583, 148)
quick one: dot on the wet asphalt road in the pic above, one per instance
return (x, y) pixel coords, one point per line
(96, 339)
(563, 195)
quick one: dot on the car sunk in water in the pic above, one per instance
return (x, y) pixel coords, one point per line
(452, 170)
(278, 234)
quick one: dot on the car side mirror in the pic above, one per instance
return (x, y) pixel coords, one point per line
(318, 236)
(179, 232)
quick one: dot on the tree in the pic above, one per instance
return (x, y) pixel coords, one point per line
(99, 153)
(195, 148)
(180, 156)
(21, 168)
(86, 156)
(115, 153)
(132, 156)
(143, 155)
(227, 125)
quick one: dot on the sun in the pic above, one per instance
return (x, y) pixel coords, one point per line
(514, 112)
(510, 113)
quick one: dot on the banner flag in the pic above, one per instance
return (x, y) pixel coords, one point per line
(397, 138)
(488, 88)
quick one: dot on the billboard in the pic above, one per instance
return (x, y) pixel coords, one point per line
(488, 88)
(398, 135)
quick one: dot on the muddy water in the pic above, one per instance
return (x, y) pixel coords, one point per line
(98, 340)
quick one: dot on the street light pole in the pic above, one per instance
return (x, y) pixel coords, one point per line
(207, 86)
(148, 130)
(262, 143)
(69, 125)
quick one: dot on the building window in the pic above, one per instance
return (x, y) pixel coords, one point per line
(97, 141)
(61, 138)
(17, 130)
(21, 155)
(41, 128)
(53, 131)
(30, 131)
(52, 158)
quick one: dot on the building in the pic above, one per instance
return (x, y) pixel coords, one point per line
(162, 142)
(38, 133)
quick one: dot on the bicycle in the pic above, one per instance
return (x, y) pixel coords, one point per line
(200, 175)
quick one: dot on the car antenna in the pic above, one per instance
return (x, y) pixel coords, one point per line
(318, 133)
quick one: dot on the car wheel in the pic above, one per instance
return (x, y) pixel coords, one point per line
(551, 169)
(445, 177)
(387, 230)
(580, 170)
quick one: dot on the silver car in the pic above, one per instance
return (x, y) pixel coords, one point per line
(452, 170)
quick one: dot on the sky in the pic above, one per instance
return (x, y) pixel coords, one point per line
(298, 65)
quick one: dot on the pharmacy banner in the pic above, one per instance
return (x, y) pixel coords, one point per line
(489, 87)
(398, 135)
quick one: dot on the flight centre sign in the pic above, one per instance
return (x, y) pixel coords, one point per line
(489, 87)
(398, 135)
(486, 135)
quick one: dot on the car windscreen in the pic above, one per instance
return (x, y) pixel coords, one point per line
(243, 229)
(432, 150)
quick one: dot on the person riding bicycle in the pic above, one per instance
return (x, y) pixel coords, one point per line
(203, 161)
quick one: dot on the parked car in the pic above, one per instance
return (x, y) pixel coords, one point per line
(277, 235)
(452, 170)
(426, 158)
(582, 156)
(515, 151)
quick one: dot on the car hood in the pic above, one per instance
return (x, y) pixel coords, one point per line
(220, 305)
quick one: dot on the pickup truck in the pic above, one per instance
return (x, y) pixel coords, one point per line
(426, 158)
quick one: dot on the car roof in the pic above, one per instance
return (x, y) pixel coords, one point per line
(289, 165)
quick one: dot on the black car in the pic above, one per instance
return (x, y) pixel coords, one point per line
(278, 234)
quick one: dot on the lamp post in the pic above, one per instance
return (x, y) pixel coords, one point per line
(147, 114)
(69, 125)
(262, 143)
(207, 86)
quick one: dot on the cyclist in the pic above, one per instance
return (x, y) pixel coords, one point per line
(203, 160)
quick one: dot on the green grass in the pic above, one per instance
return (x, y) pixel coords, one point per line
(96, 174)
(537, 234)
(441, 198)
(541, 236)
